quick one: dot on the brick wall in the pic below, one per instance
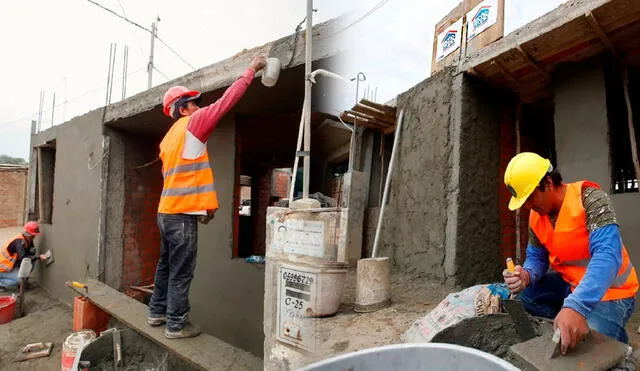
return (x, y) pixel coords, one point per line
(12, 196)
(141, 235)
(281, 184)
(260, 201)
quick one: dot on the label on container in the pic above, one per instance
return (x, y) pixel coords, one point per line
(302, 237)
(296, 295)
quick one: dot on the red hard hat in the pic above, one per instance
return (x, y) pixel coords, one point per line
(32, 228)
(173, 94)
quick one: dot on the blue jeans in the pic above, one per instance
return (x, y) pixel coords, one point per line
(10, 279)
(178, 250)
(546, 297)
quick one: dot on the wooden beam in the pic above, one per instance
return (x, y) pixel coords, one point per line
(512, 79)
(363, 115)
(388, 109)
(532, 62)
(361, 121)
(380, 115)
(632, 131)
(595, 26)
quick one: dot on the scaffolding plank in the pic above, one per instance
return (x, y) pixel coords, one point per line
(204, 352)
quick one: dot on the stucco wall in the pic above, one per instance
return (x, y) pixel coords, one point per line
(73, 233)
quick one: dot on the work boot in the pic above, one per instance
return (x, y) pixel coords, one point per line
(156, 321)
(188, 331)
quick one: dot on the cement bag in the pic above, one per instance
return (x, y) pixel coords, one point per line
(471, 302)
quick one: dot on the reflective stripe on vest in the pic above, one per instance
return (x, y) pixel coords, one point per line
(620, 278)
(188, 185)
(568, 245)
(8, 261)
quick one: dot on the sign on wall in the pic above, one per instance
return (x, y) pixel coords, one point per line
(449, 40)
(297, 290)
(302, 237)
(483, 16)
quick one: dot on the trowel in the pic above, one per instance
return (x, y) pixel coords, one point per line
(516, 311)
(49, 257)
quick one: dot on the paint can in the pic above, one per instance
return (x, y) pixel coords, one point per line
(271, 72)
(74, 343)
(373, 290)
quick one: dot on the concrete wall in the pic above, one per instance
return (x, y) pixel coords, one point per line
(13, 183)
(477, 256)
(583, 144)
(73, 233)
(226, 294)
(413, 233)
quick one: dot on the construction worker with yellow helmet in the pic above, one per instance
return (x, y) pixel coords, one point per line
(188, 197)
(573, 229)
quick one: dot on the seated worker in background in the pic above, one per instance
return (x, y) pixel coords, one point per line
(14, 251)
(572, 229)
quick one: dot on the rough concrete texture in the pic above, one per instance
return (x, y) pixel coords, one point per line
(581, 123)
(114, 227)
(13, 183)
(73, 233)
(477, 238)
(413, 234)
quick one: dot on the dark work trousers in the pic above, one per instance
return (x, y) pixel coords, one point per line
(178, 250)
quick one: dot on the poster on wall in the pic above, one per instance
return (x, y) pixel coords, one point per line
(481, 17)
(449, 40)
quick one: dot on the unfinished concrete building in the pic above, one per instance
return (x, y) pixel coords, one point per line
(566, 86)
(95, 186)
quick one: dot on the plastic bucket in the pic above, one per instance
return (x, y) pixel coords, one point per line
(271, 72)
(7, 309)
(426, 357)
(72, 344)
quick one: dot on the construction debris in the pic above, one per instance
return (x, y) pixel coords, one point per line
(34, 350)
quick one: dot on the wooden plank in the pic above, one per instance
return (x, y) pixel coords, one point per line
(380, 115)
(533, 63)
(544, 25)
(490, 35)
(451, 18)
(595, 26)
(203, 352)
(506, 73)
(388, 109)
(364, 122)
(368, 117)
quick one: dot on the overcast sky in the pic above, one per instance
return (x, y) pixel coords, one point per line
(63, 47)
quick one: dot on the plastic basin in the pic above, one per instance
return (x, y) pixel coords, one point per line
(7, 308)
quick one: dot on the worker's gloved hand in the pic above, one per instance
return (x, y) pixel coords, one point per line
(258, 63)
(516, 281)
(573, 328)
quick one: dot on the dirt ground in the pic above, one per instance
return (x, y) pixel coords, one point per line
(46, 320)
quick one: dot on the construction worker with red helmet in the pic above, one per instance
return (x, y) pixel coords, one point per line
(573, 229)
(14, 251)
(188, 197)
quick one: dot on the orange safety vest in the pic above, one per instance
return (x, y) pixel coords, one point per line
(568, 245)
(188, 184)
(8, 261)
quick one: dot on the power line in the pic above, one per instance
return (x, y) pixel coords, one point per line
(161, 74)
(146, 29)
(367, 14)
(124, 12)
(96, 90)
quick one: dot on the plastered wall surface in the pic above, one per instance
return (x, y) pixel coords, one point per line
(73, 234)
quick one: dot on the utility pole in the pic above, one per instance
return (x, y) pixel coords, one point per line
(154, 32)
(307, 94)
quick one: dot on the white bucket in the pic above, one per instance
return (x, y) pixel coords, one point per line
(271, 72)
(74, 343)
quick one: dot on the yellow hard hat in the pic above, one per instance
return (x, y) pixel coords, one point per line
(523, 174)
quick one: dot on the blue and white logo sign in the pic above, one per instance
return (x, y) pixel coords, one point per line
(449, 40)
(481, 17)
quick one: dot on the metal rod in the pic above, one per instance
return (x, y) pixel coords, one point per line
(307, 98)
(124, 71)
(53, 108)
(154, 32)
(518, 118)
(297, 158)
(394, 151)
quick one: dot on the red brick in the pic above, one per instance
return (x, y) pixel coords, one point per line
(12, 196)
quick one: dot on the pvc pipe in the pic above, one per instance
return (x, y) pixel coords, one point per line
(396, 140)
(307, 98)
